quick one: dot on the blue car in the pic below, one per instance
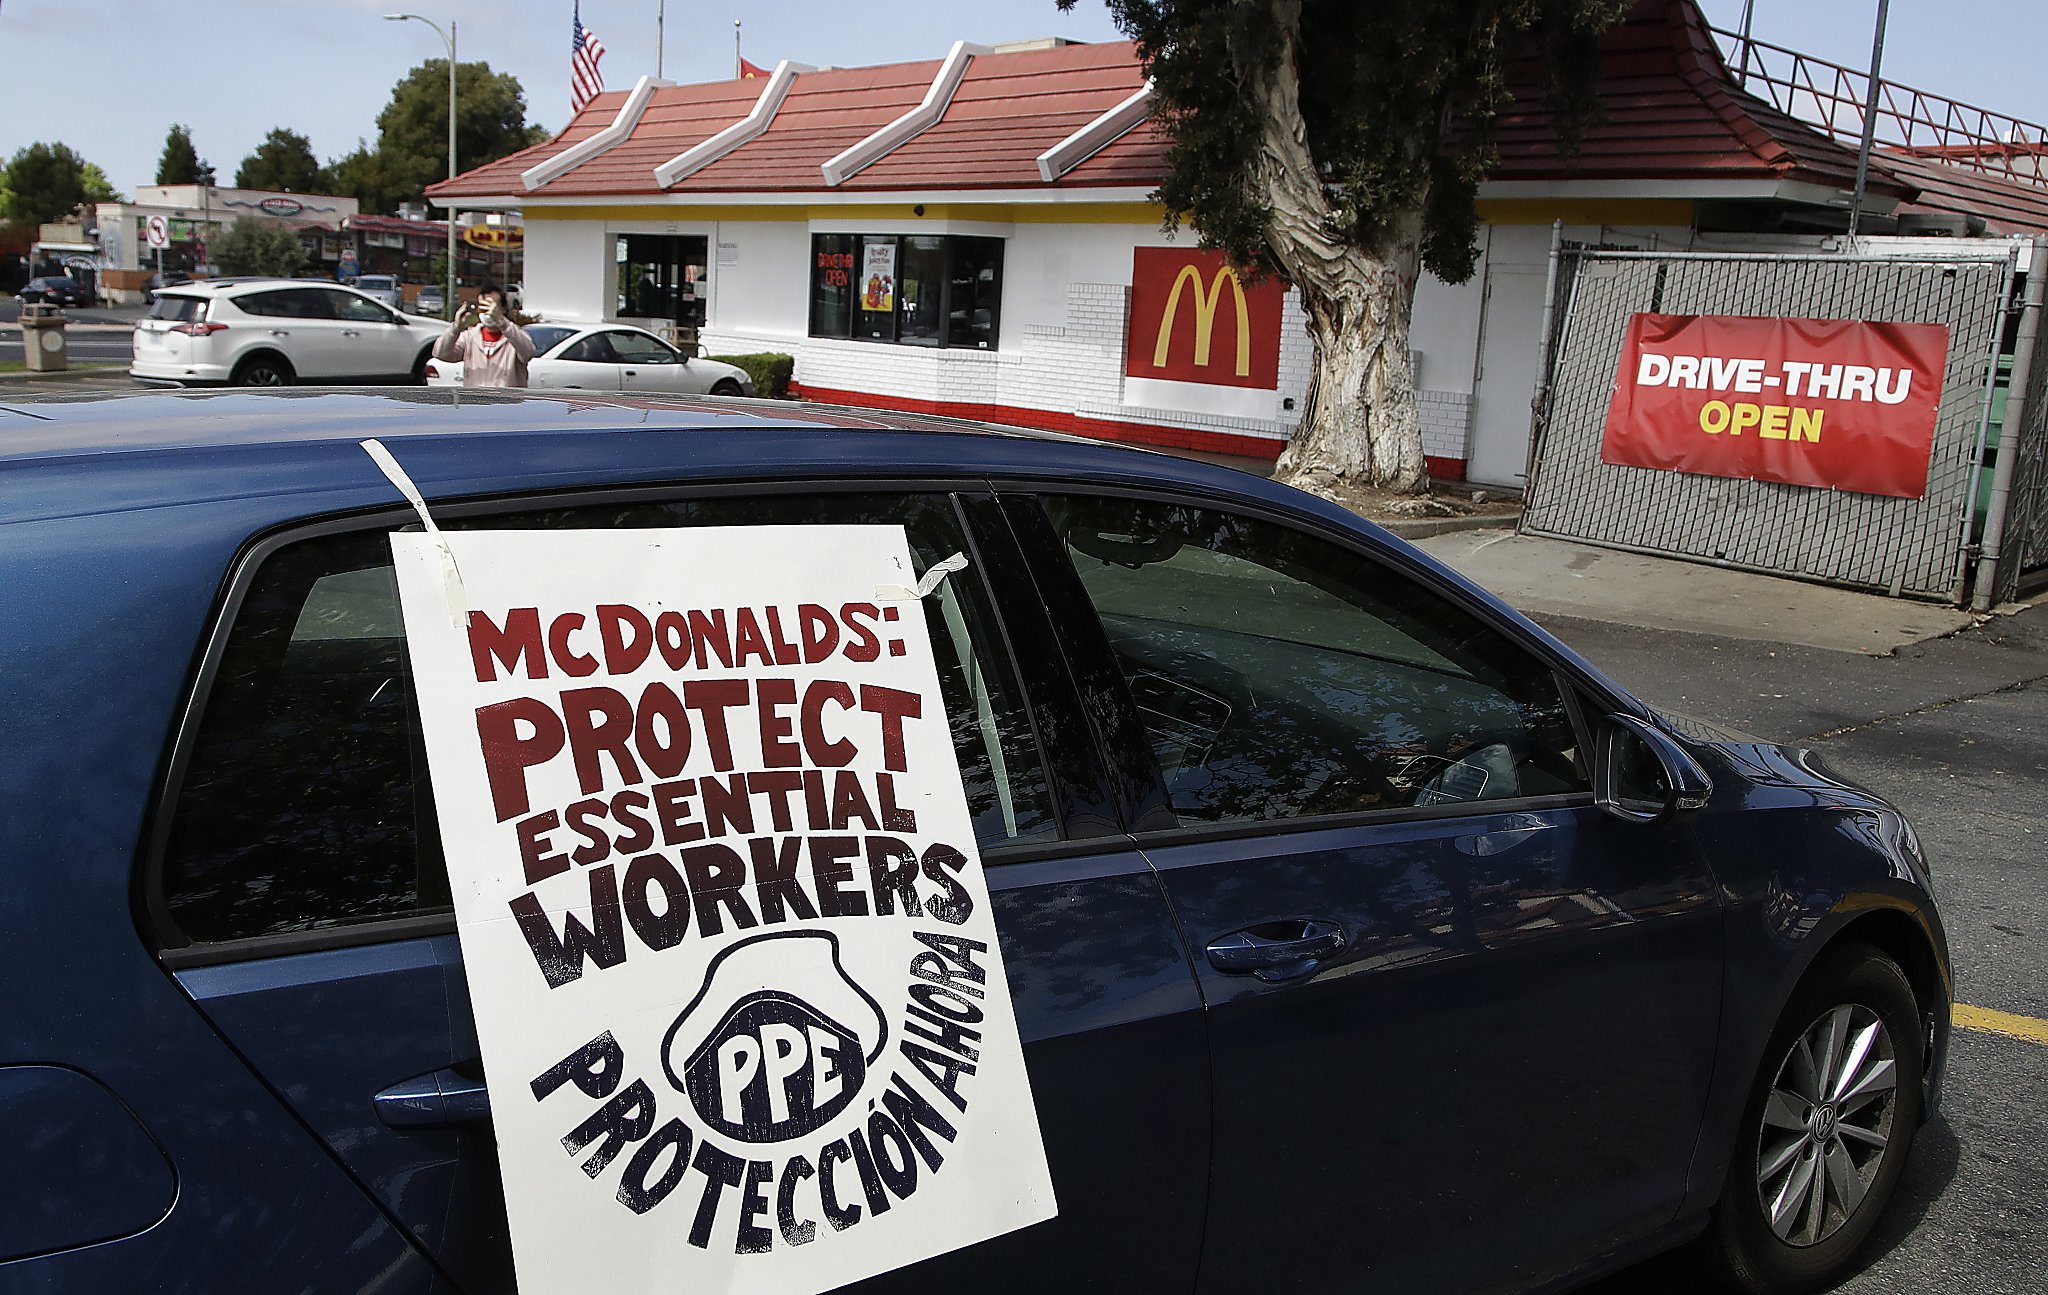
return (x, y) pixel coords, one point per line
(1360, 934)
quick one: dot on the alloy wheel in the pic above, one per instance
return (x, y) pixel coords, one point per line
(1827, 1124)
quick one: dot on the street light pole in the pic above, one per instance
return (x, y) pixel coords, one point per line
(447, 38)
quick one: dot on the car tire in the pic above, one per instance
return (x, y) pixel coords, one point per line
(725, 387)
(263, 371)
(1770, 1235)
(419, 366)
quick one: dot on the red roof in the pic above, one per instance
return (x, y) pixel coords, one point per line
(2007, 206)
(1671, 110)
(1008, 109)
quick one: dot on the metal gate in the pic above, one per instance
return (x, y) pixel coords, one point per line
(1916, 546)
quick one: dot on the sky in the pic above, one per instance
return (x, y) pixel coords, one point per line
(108, 77)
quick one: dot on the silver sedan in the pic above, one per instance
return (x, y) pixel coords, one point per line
(612, 357)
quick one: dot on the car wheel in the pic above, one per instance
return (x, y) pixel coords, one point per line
(1827, 1129)
(419, 366)
(263, 371)
(725, 387)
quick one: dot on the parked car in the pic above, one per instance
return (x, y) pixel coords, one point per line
(612, 357)
(380, 287)
(275, 332)
(58, 290)
(430, 301)
(1361, 935)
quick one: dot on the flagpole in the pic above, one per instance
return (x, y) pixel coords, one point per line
(660, 18)
(736, 70)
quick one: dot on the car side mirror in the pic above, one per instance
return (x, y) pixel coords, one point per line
(1641, 775)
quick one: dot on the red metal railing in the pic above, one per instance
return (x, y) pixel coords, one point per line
(1831, 97)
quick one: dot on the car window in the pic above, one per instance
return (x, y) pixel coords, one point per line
(182, 309)
(287, 303)
(593, 349)
(305, 803)
(348, 306)
(639, 348)
(1279, 675)
(546, 337)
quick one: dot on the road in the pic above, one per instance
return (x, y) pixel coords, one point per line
(86, 348)
(90, 346)
(1956, 732)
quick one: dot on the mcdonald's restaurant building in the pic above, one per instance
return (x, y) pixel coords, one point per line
(974, 236)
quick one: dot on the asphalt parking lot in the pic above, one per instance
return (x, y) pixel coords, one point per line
(1954, 730)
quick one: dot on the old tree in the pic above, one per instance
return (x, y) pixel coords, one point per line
(1340, 145)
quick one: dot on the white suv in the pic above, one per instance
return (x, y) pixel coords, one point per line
(275, 332)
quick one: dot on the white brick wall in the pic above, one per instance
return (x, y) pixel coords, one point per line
(1072, 368)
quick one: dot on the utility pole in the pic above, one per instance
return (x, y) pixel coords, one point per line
(1869, 120)
(660, 23)
(447, 38)
(736, 69)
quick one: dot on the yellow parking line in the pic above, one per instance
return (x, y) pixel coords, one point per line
(2028, 1028)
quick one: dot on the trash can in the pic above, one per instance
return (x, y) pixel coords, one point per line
(42, 338)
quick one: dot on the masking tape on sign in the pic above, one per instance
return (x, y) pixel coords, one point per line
(932, 579)
(451, 577)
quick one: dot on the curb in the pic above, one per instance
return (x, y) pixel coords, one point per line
(1422, 528)
(76, 373)
(74, 328)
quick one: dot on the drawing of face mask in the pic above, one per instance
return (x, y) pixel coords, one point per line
(777, 1041)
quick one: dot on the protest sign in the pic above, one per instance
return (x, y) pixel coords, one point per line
(735, 973)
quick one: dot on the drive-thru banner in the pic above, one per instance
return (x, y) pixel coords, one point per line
(1810, 402)
(735, 975)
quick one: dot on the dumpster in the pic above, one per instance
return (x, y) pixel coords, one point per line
(42, 338)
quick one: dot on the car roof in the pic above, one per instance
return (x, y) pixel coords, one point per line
(298, 450)
(217, 287)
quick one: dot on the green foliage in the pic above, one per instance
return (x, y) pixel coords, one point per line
(252, 246)
(47, 182)
(362, 175)
(1398, 101)
(180, 162)
(412, 131)
(769, 370)
(283, 161)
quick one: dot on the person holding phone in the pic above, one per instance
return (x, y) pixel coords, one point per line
(487, 342)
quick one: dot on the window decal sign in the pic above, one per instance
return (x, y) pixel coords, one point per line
(1808, 402)
(878, 277)
(734, 969)
(1193, 319)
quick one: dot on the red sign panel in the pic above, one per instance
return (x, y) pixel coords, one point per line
(1809, 402)
(1194, 320)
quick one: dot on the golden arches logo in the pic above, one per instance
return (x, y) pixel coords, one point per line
(1206, 301)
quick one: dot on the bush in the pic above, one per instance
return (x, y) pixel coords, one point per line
(252, 246)
(769, 371)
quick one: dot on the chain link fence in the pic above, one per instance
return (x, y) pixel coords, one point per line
(2024, 560)
(1914, 546)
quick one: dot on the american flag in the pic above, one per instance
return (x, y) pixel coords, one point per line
(585, 49)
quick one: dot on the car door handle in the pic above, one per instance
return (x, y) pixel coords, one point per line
(350, 332)
(1277, 951)
(631, 374)
(280, 332)
(425, 1101)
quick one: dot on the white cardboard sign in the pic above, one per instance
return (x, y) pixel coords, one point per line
(734, 969)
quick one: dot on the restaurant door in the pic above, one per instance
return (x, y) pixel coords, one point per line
(662, 279)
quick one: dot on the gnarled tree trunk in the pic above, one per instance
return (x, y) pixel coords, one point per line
(1361, 421)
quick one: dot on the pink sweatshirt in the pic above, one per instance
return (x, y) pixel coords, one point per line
(503, 365)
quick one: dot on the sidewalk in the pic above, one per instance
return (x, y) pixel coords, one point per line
(1544, 577)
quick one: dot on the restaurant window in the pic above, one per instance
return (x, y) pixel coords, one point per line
(915, 290)
(832, 258)
(661, 276)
